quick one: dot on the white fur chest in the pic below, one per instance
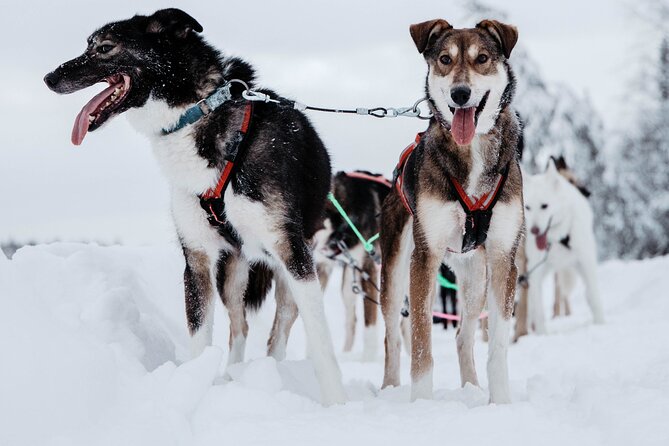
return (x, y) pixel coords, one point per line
(476, 171)
(176, 153)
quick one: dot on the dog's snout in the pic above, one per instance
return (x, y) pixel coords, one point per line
(51, 80)
(460, 95)
(534, 230)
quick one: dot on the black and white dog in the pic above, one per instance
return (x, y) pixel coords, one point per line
(169, 82)
(360, 193)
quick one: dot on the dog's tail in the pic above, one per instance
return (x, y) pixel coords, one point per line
(260, 281)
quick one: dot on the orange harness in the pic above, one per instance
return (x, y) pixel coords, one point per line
(212, 200)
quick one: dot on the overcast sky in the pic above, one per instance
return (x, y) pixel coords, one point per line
(343, 54)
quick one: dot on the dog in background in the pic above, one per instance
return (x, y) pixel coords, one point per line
(565, 278)
(360, 193)
(240, 223)
(458, 197)
(561, 241)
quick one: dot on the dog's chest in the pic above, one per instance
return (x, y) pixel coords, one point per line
(182, 165)
(176, 152)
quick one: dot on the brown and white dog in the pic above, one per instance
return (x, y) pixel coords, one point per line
(465, 158)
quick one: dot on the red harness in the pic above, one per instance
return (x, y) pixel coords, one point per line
(212, 199)
(398, 173)
(478, 211)
(364, 176)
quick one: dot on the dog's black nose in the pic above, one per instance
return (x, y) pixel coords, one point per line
(51, 80)
(460, 95)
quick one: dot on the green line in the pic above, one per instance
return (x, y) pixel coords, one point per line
(369, 244)
(365, 243)
(444, 282)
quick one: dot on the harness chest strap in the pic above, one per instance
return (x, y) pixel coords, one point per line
(212, 199)
(478, 211)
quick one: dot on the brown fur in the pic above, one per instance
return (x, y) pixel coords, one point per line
(488, 273)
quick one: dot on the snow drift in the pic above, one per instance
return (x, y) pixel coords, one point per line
(94, 351)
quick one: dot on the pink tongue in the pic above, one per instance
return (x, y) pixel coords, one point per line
(462, 127)
(542, 241)
(81, 122)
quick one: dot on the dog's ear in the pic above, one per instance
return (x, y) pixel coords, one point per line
(173, 21)
(559, 162)
(424, 34)
(551, 169)
(505, 35)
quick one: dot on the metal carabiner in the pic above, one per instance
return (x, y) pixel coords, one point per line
(378, 112)
(416, 109)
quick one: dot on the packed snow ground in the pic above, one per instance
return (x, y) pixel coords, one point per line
(94, 350)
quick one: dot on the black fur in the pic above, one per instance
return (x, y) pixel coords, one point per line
(285, 162)
(361, 199)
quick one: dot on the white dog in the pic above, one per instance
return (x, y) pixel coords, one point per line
(560, 240)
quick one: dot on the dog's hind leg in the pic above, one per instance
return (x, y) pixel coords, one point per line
(520, 328)
(231, 279)
(535, 308)
(349, 299)
(588, 272)
(471, 275)
(199, 293)
(370, 308)
(396, 253)
(501, 293)
(324, 270)
(284, 318)
(300, 275)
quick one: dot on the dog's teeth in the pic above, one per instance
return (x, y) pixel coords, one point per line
(91, 118)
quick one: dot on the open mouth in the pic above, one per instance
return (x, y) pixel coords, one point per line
(100, 108)
(463, 127)
(542, 240)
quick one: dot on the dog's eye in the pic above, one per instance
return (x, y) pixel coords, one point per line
(103, 49)
(446, 60)
(544, 206)
(527, 207)
(482, 59)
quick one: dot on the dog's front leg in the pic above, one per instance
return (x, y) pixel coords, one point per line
(396, 251)
(501, 294)
(231, 278)
(424, 266)
(471, 273)
(199, 291)
(299, 272)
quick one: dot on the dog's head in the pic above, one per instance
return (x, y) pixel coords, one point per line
(137, 57)
(545, 196)
(469, 80)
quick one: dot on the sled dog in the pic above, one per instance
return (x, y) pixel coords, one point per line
(360, 193)
(458, 197)
(248, 180)
(560, 240)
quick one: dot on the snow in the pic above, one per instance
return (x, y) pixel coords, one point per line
(94, 348)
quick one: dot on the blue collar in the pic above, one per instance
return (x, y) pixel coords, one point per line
(202, 108)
